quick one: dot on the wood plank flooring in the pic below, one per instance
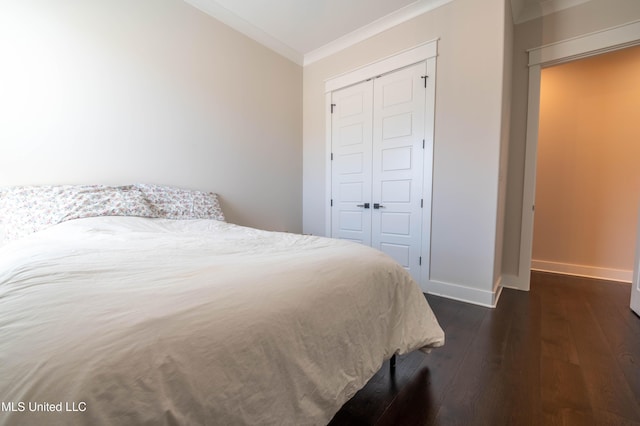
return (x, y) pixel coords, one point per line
(565, 353)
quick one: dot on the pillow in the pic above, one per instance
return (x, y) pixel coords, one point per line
(176, 203)
(27, 209)
(94, 201)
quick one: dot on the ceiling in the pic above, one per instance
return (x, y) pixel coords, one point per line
(307, 30)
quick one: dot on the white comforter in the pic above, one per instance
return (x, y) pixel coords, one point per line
(123, 320)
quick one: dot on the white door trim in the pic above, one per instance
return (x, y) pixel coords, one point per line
(635, 284)
(427, 182)
(401, 59)
(591, 44)
(407, 57)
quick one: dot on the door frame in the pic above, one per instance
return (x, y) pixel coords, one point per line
(635, 284)
(591, 44)
(419, 53)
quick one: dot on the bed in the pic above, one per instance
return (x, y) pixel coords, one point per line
(141, 305)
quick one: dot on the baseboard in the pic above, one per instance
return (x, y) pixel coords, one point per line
(465, 294)
(583, 271)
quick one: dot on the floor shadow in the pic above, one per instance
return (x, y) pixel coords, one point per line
(413, 404)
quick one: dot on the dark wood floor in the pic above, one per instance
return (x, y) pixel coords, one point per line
(565, 353)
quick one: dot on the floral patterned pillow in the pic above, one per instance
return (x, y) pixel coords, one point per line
(176, 203)
(27, 209)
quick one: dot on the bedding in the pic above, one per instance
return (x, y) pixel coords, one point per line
(131, 320)
(27, 209)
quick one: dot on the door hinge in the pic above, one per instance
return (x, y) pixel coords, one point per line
(421, 203)
(420, 260)
(332, 202)
(425, 77)
(332, 156)
(423, 143)
(332, 106)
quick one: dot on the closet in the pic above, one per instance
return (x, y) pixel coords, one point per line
(381, 132)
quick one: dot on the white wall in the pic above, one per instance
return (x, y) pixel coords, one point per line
(121, 91)
(586, 18)
(469, 100)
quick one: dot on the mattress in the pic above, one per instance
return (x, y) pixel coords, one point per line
(130, 320)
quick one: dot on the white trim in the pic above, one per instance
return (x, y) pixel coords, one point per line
(465, 294)
(529, 188)
(399, 60)
(595, 43)
(587, 45)
(427, 177)
(634, 303)
(214, 9)
(376, 27)
(582, 271)
(234, 21)
(511, 281)
(327, 170)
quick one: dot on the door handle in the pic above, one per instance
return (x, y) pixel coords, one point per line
(377, 206)
(365, 205)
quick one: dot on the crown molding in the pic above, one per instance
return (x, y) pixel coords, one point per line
(399, 16)
(212, 8)
(229, 18)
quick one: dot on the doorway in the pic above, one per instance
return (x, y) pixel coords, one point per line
(609, 40)
(587, 176)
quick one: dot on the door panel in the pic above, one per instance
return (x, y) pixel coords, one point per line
(398, 132)
(401, 253)
(397, 126)
(396, 191)
(395, 223)
(351, 133)
(395, 159)
(351, 164)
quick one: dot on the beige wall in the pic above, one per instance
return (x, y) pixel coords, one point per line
(576, 21)
(587, 180)
(124, 91)
(469, 100)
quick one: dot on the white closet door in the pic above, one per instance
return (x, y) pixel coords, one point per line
(351, 134)
(398, 135)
